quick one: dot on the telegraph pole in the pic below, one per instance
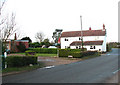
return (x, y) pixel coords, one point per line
(81, 32)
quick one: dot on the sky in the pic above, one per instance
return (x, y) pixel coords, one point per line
(45, 16)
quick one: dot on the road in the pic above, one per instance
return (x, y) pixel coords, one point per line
(94, 70)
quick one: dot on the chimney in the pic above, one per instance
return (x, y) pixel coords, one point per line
(89, 28)
(103, 27)
(15, 37)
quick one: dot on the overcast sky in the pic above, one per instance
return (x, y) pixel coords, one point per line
(47, 15)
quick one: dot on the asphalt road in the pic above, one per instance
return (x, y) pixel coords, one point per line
(95, 70)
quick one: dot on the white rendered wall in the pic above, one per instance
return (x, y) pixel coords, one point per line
(97, 47)
(86, 38)
(104, 45)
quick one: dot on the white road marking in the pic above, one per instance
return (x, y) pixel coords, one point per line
(48, 67)
(116, 71)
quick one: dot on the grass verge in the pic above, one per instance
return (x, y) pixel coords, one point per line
(39, 54)
(19, 69)
(46, 55)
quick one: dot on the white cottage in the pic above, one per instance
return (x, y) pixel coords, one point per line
(93, 40)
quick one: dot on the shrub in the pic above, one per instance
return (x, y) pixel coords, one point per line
(18, 61)
(108, 47)
(44, 50)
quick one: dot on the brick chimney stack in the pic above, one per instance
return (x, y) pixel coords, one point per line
(15, 37)
(89, 28)
(103, 27)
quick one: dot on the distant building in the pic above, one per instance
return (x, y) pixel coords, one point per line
(93, 40)
(12, 44)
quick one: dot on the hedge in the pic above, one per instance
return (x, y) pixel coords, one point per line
(66, 52)
(63, 53)
(84, 54)
(76, 53)
(19, 61)
(44, 50)
(30, 52)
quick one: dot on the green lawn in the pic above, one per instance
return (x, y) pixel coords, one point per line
(19, 53)
(42, 55)
(46, 55)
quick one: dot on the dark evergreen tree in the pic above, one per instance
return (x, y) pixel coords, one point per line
(27, 38)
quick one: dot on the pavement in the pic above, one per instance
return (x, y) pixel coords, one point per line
(95, 70)
(113, 79)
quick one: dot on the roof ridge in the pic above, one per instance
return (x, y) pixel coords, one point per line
(84, 30)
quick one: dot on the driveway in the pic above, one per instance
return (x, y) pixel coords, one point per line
(53, 61)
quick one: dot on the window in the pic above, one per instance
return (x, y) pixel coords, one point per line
(99, 49)
(66, 39)
(76, 47)
(79, 38)
(67, 47)
(79, 47)
(92, 47)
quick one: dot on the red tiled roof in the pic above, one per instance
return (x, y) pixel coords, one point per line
(85, 33)
(87, 43)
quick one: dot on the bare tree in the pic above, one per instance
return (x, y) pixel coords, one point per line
(2, 20)
(7, 23)
(8, 27)
(2, 2)
(39, 36)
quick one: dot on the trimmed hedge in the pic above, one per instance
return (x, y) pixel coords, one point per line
(66, 52)
(30, 52)
(63, 53)
(76, 53)
(19, 61)
(44, 50)
(84, 54)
